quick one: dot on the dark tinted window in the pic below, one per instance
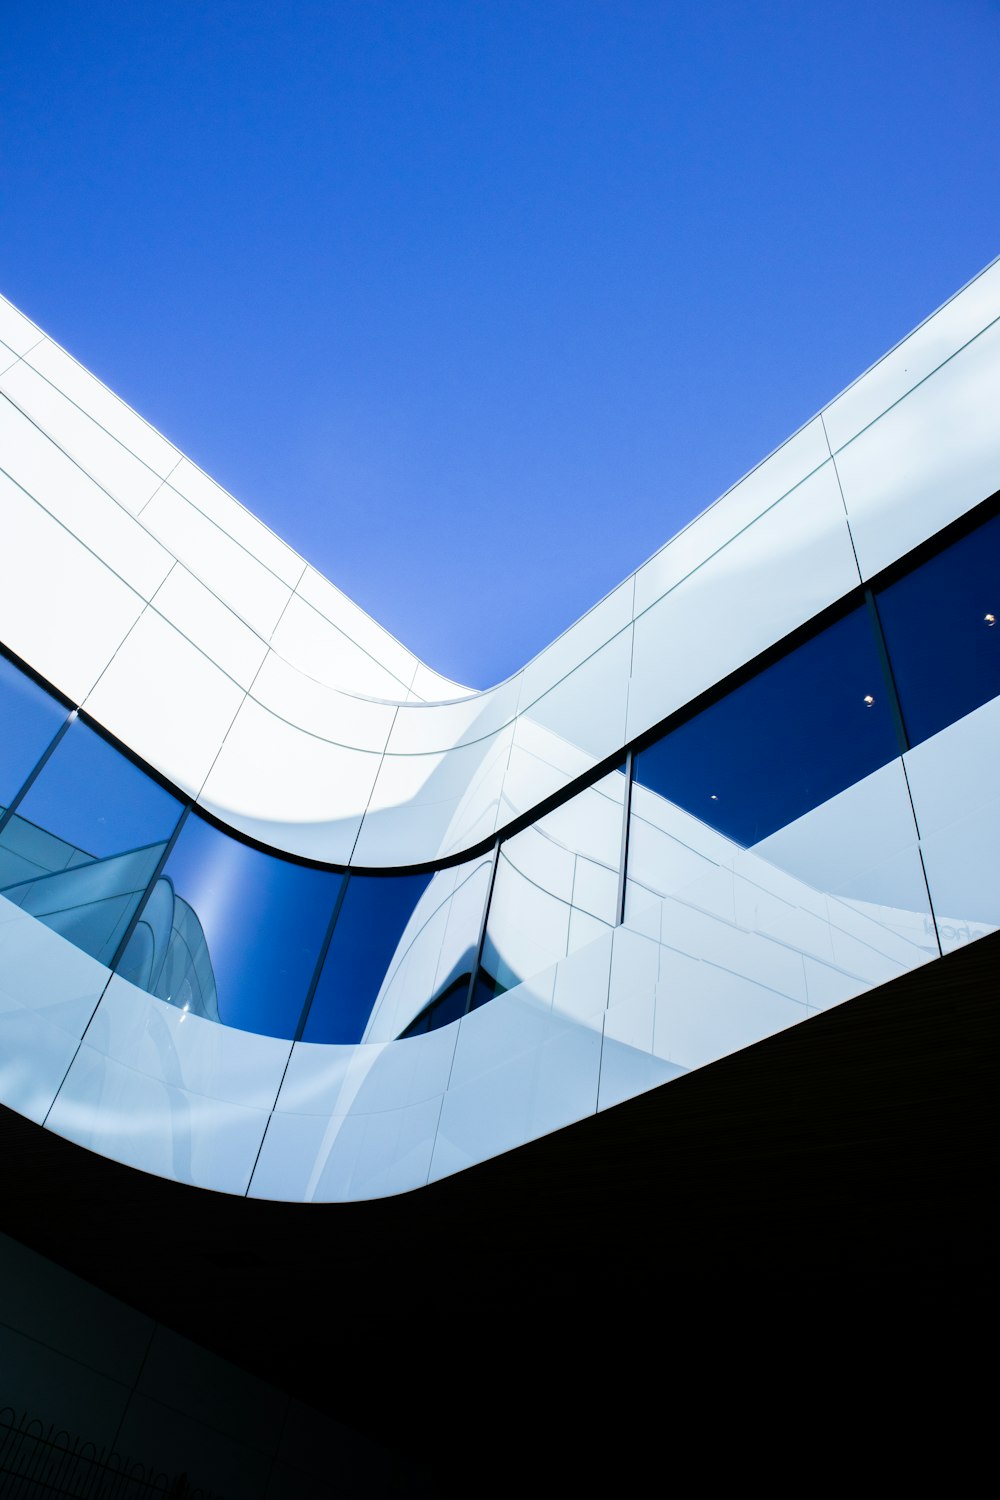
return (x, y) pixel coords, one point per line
(814, 722)
(239, 935)
(29, 719)
(942, 630)
(375, 911)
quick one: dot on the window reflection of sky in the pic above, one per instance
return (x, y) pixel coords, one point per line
(96, 799)
(376, 909)
(264, 920)
(28, 720)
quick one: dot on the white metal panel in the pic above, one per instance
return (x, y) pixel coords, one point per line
(956, 796)
(581, 982)
(928, 460)
(166, 701)
(954, 773)
(216, 503)
(356, 625)
(107, 409)
(763, 487)
(308, 1158)
(95, 451)
(34, 1057)
(289, 789)
(307, 640)
(73, 499)
(704, 1012)
(964, 879)
(598, 626)
(210, 625)
(337, 1080)
(520, 1072)
(186, 1050)
(427, 806)
(569, 729)
(782, 570)
(155, 1126)
(426, 728)
(432, 687)
(628, 1063)
(17, 332)
(61, 609)
(48, 991)
(923, 351)
(238, 579)
(342, 718)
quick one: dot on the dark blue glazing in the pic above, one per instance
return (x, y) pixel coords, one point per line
(375, 911)
(801, 730)
(259, 923)
(942, 630)
(449, 1006)
(29, 719)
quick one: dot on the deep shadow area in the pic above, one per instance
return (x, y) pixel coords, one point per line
(838, 1177)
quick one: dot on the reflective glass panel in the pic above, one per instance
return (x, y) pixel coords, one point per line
(942, 631)
(28, 720)
(366, 947)
(816, 721)
(85, 841)
(232, 933)
(556, 887)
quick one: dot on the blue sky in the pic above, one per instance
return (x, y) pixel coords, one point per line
(478, 303)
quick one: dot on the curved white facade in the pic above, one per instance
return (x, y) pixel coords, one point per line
(156, 604)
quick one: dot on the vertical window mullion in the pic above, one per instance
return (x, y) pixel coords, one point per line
(623, 861)
(36, 771)
(895, 706)
(136, 917)
(477, 961)
(321, 960)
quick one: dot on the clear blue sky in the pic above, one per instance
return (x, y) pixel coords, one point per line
(478, 303)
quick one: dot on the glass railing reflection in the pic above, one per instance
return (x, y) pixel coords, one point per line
(88, 901)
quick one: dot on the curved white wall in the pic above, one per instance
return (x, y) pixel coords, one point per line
(150, 597)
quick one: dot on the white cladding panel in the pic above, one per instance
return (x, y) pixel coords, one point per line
(256, 686)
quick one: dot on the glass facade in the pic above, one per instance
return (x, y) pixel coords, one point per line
(105, 855)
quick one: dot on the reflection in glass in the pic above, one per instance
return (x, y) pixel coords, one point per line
(942, 635)
(375, 911)
(29, 719)
(556, 887)
(816, 721)
(426, 983)
(232, 933)
(85, 842)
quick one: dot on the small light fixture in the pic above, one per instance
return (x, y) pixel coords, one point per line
(868, 700)
(990, 619)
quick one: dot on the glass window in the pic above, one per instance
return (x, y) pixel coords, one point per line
(816, 721)
(29, 719)
(231, 932)
(85, 841)
(942, 631)
(556, 887)
(364, 951)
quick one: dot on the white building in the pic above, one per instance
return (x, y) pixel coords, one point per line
(784, 722)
